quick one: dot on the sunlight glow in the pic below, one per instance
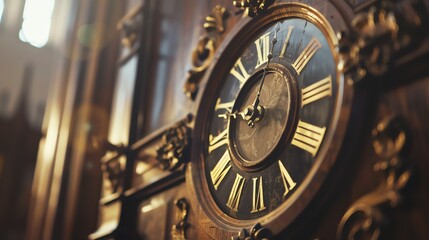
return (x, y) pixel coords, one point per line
(1, 9)
(37, 22)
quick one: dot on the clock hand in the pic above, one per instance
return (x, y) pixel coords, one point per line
(254, 113)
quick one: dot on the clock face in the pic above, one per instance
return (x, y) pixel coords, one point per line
(251, 169)
(268, 119)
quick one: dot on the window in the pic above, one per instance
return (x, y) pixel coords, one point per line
(36, 23)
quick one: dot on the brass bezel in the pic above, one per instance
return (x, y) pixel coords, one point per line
(211, 218)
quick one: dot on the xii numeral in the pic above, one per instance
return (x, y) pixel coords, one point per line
(263, 49)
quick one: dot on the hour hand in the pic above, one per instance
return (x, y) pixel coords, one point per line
(228, 114)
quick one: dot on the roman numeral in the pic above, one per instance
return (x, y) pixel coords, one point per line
(286, 42)
(220, 170)
(219, 140)
(263, 49)
(306, 55)
(239, 72)
(258, 195)
(235, 195)
(317, 91)
(308, 137)
(288, 182)
(227, 106)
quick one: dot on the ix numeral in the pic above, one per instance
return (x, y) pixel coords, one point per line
(219, 140)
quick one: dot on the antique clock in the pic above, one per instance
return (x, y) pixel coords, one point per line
(270, 121)
(296, 122)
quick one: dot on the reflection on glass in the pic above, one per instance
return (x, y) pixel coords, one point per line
(122, 101)
(36, 23)
(1, 9)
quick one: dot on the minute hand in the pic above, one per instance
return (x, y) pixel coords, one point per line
(269, 57)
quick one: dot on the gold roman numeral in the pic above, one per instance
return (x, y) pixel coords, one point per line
(235, 195)
(286, 42)
(288, 182)
(219, 140)
(308, 137)
(258, 195)
(317, 90)
(263, 49)
(240, 72)
(220, 170)
(227, 106)
(306, 55)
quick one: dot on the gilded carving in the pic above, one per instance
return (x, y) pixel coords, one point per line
(379, 35)
(203, 53)
(257, 232)
(178, 231)
(253, 8)
(367, 216)
(174, 146)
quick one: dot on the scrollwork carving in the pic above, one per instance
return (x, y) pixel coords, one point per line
(379, 35)
(253, 7)
(257, 232)
(113, 172)
(367, 216)
(203, 53)
(175, 145)
(178, 231)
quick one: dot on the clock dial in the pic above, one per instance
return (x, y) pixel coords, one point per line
(267, 119)
(251, 170)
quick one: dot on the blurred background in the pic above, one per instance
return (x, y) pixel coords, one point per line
(52, 54)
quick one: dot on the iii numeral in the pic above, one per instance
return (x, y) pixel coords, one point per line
(258, 195)
(239, 72)
(288, 182)
(306, 55)
(235, 195)
(219, 140)
(263, 49)
(220, 170)
(308, 137)
(317, 91)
